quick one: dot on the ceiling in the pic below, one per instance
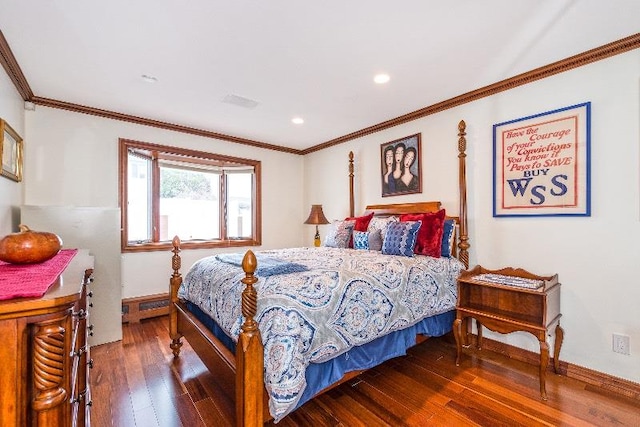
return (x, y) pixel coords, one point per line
(315, 60)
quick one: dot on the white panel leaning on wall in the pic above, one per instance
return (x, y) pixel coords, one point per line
(98, 230)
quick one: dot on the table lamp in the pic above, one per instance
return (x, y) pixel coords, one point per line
(316, 216)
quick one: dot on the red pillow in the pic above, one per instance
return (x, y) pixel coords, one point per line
(429, 240)
(362, 223)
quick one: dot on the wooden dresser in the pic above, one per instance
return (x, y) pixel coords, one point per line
(44, 355)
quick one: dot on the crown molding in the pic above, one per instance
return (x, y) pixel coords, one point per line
(13, 70)
(611, 49)
(593, 55)
(53, 103)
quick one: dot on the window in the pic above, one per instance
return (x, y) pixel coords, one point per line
(207, 200)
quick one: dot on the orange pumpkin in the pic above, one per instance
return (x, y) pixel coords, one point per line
(28, 247)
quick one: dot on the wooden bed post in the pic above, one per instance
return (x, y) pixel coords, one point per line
(249, 353)
(463, 245)
(174, 284)
(351, 198)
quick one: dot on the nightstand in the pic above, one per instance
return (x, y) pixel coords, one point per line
(509, 300)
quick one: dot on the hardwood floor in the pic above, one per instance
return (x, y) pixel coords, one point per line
(136, 382)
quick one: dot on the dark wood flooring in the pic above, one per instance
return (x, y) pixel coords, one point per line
(137, 382)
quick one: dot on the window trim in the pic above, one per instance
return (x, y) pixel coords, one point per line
(125, 246)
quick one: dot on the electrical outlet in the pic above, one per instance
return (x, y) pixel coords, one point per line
(621, 344)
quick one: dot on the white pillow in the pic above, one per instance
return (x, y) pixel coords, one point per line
(380, 224)
(339, 234)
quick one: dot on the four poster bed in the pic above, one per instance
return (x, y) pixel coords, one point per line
(282, 326)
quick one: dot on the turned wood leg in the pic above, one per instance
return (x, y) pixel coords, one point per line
(479, 328)
(175, 345)
(544, 362)
(556, 348)
(457, 333)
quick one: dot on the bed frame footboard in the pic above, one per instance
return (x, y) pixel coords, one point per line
(174, 284)
(249, 353)
(243, 373)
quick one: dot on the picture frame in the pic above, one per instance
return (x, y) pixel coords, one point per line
(542, 164)
(11, 152)
(400, 166)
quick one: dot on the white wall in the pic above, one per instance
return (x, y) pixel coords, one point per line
(597, 258)
(73, 161)
(11, 110)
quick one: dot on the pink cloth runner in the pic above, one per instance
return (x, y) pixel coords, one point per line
(32, 280)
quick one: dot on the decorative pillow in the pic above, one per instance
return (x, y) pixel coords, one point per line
(365, 240)
(339, 234)
(447, 237)
(381, 223)
(430, 235)
(375, 240)
(400, 238)
(361, 224)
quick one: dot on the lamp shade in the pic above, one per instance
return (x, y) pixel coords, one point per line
(316, 216)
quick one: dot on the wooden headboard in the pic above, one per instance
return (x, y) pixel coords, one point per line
(403, 208)
(461, 250)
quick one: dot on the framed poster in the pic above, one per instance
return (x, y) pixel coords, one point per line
(400, 166)
(11, 152)
(541, 164)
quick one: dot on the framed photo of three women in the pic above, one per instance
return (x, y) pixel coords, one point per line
(400, 166)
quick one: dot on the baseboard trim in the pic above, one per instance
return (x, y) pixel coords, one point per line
(593, 378)
(136, 309)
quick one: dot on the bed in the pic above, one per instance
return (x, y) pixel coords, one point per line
(282, 326)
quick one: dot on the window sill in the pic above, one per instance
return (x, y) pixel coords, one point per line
(189, 244)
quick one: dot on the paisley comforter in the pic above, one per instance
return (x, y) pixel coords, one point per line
(345, 298)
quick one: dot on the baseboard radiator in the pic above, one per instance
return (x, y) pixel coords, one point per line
(136, 309)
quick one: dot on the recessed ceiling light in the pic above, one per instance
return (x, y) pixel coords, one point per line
(381, 78)
(297, 120)
(149, 79)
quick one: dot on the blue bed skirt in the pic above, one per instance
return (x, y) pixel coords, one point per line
(321, 375)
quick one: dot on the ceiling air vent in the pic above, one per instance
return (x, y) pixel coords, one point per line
(240, 101)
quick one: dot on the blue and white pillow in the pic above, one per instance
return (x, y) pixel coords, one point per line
(367, 240)
(447, 238)
(339, 234)
(380, 223)
(400, 238)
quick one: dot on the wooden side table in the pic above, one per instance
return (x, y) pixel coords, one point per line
(509, 300)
